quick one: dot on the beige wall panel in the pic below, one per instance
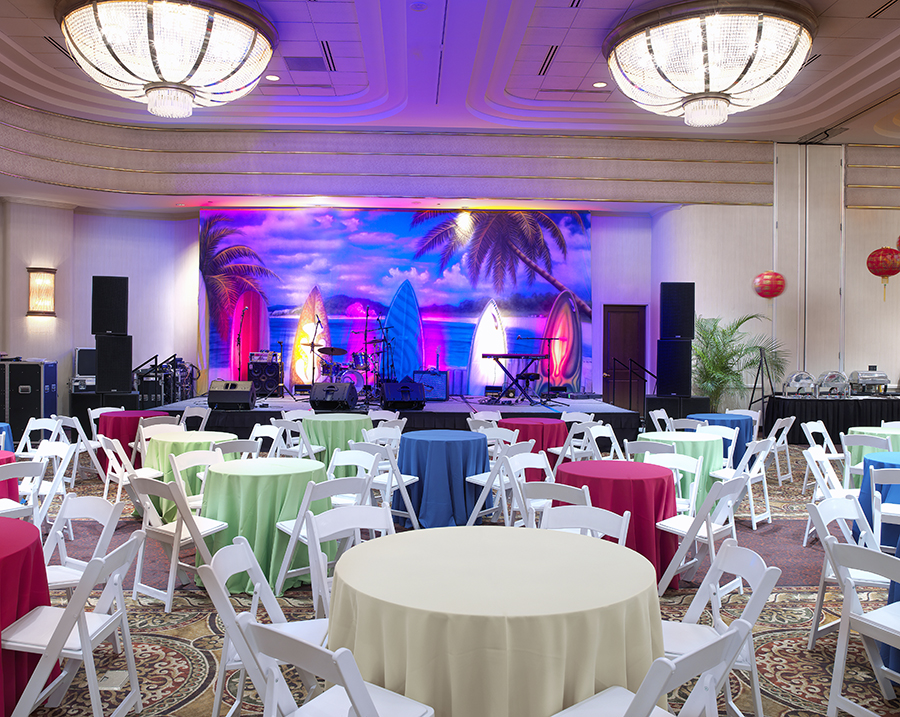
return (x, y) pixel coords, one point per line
(790, 250)
(824, 255)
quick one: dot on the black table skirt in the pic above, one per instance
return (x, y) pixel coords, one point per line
(838, 414)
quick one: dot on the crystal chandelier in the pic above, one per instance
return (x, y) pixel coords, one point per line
(708, 59)
(172, 54)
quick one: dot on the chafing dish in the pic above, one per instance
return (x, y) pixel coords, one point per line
(833, 382)
(797, 383)
(868, 382)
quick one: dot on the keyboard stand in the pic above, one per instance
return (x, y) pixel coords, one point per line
(513, 383)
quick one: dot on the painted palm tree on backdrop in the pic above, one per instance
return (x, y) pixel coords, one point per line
(227, 271)
(498, 243)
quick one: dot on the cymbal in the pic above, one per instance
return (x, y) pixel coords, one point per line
(331, 351)
(310, 346)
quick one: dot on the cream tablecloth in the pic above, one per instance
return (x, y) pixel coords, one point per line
(485, 621)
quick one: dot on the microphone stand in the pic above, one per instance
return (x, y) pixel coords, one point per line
(240, 330)
(312, 352)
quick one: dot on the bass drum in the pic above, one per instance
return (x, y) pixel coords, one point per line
(354, 377)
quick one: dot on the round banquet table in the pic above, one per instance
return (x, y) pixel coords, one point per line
(546, 432)
(333, 430)
(442, 459)
(177, 442)
(743, 423)
(8, 444)
(890, 533)
(694, 445)
(857, 453)
(647, 490)
(23, 586)
(9, 488)
(252, 496)
(458, 618)
(122, 425)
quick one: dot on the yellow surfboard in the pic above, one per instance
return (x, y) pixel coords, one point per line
(303, 358)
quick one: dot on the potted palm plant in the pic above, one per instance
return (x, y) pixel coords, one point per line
(723, 354)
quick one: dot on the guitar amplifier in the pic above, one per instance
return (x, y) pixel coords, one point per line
(435, 383)
(231, 395)
(403, 396)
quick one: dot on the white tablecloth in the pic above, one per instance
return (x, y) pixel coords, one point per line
(495, 621)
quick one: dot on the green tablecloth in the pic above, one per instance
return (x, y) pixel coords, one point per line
(695, 445)
(162, 445)
(857, 453)
(252, 496)
(333, 430)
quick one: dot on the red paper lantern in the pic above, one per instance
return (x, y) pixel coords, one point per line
(884, 262)
(769, 284)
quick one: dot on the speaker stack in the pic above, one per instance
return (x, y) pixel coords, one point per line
(266, 373)
(333, 396)
(676, 332)
(109, 324)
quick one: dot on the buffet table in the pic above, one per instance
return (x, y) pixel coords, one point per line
(493, 622)
(838, 414)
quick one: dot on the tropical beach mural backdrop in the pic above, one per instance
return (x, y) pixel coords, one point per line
(441, 287)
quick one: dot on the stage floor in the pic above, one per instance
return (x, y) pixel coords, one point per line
(436, 414)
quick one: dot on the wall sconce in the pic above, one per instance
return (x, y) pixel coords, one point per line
(41, 292)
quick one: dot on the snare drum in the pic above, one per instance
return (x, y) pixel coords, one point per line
(330, 369)
(354, 377)
(358, 361)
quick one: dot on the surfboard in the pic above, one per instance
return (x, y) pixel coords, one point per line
(406, 348)
(489, 338)
(303, 360)
(254, 332)
(563, 323)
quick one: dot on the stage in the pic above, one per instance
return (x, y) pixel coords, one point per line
(436, 414)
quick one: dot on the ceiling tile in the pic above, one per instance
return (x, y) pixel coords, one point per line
(554, 96)
(544, 36)
(847, 46)
(15, 27)
(332, 11)
(345, 49)
(853, 8)
(532, 53)
(585, 38)
(552, 17)
(296, 32)
(523, 93)
(835, 26)
(577, 54)
(337, 31)
(310, 78)
(568, 69)
(287, 12)
(349, 78)
(560, 83)
(605, 18)
(7, 9)
(286, 90)
(524, 81)
(350, 64)
(874, 28)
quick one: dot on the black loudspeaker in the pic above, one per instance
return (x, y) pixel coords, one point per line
(404, 395)
(676, 310)
(113, 364)
(267, 377)
(332, 396)
(231, 395)
(109, 305)
(435, 383)
(673, 367)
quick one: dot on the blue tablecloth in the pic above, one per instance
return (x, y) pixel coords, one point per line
(890, 534)
(442, 460)
(8, 439)
(743, 423)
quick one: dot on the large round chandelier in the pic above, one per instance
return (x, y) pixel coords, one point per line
(173, 55)
(708, 59)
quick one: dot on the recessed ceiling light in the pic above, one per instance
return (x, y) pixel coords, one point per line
(272, 78)
(598, 85)
(418, 6)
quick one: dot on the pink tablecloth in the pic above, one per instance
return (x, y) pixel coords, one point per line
(9, 488)
(23, 586)
(648, 491)
(546, 432)
(122, 425)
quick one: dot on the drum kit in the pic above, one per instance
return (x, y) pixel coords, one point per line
(361, 365)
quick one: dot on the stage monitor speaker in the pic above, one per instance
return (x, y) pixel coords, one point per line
(403, 395)
(673, 367)
(109, 305)
(676, 310)
(435, 383)
(332, 396)
(231, 395)
(113, 364)
(267, 377)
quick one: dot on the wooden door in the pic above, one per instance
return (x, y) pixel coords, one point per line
(624, 338)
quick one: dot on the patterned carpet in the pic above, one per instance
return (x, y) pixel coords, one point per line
(177, 654)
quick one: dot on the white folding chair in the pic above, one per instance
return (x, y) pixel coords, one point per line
(755, 415)
(72, 634)
(234, 560)
(631, 449)
(292, 440)
(120, 469)
(883, 512)
(811, 429)
(476, 424)
(496, 481)
(82, 445)
(145, 433)
(874, 444)
(388, 479)
(94, 418)
(679, 465)
(753, 464)
(171, 536)
(386, 436)
(828, 485)
(689, 635)
(29, 442)
(587, 519)
(533, 497)
(728, 434)
(394, 423)
(578, 446)
(57, 456)
(779, 435)
(661, 420)
(494, 416)
(577, 417)
(239, 448)
(317, 496)
(201, 412)
(29, 475)
(498, 439)
(686, 424)
(262, 431)
(878, 625)
(714, 519)
(842, 513)
(191, 460)
(67, 573)
(298, 414)
(710, 664)
(378, 415)
(348, 695)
